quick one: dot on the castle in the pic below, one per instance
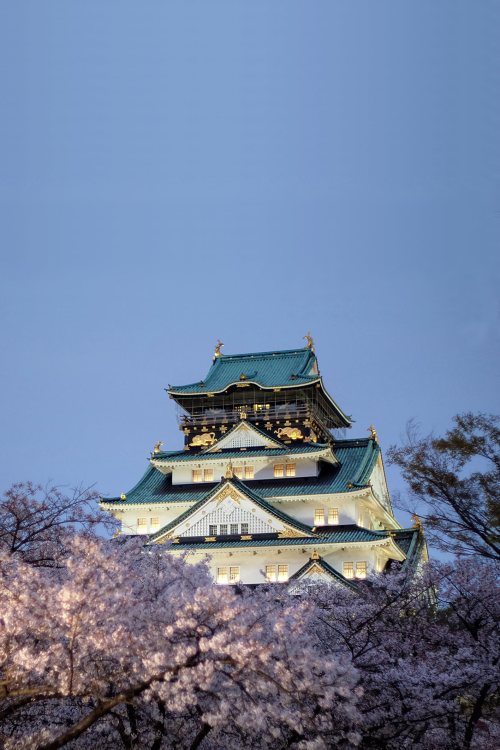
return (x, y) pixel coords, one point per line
(263, 486)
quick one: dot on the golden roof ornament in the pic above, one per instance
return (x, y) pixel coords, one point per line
(314, 555)
(123, 496)
(157, 447)
(218, 347)
(417, 523)
(309, 341)
(229, 471)
(373, 432)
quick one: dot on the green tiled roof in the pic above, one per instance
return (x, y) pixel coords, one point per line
(267, 369)
(356, 458)
(412, 543)
(237, 453)
(341, 535)
(257, 499)
(328, 569)
(356, 461)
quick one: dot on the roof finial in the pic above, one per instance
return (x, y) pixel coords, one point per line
(229, 471)
(157, 447)
(314, 555)
(373, 431)
(218, 347)
(417, 523)
(310, 342)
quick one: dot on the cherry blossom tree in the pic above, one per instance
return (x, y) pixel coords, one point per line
(454, 483)
(39, 523)
(427, 654)
(119, 646)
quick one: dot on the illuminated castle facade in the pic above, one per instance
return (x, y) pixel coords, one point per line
(263, 485)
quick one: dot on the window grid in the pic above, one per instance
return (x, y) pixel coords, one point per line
(361, 569)
(234, 574)
(141, 523)
(222, 575)
(290, 470)
(279, 470)
(234, 528)
(319, 517)
(271, 572)
(333, 516)
(282, 572)
(212, 529)
(249, 472)
(223, 529)
(154, 522)
(197, 475)
(208, 475)
(348, 568)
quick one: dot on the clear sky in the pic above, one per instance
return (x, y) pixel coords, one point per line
(176, 172)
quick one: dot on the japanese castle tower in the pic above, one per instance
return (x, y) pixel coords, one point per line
(263, 485)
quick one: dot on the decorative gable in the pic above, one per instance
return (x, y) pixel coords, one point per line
(229, 505)
(244, 435)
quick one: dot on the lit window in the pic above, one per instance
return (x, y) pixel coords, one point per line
(282, 572)
(279, 470)
(361, 570)
(244, 528)
(238, 471)
(348, 569)
(141, 523)
(290, 470)
(212, 530)
(222, 575)
(154, 522)
(271, 572)
(249, 473)
(223, 529)
(234, 574)
(319, 517)
(234, 528)
(333, 515)
(197, 475)
(208, 475)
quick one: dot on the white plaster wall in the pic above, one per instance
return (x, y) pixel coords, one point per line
(252, 563)
(182, 474)
(128, 518)
(379, 484)
(303, 509)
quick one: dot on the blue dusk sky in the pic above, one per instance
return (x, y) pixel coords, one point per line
(176, 172)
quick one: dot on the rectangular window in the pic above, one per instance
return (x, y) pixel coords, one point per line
(319, 517)
(223, 529)
(282, 572)
(208, 475)
(348, 568)
(249, 473)
(141, 523)
(290, 470)
(279, 470)
(238, 471)
(222, 575)
(234, 574)
(271, 572)
(212, 530)
(197, 475)
(234, 528)
(333, 516)
(244, 528)
(361, 570)
(155, 522)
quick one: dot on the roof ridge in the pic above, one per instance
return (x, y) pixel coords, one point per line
(273, 352)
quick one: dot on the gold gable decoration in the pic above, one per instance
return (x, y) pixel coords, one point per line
(289, 534)
(227, 491)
